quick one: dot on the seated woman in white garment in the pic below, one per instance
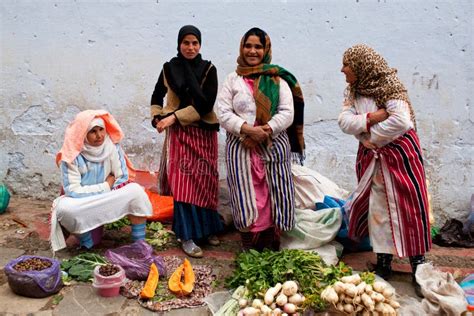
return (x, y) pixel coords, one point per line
(96, 178)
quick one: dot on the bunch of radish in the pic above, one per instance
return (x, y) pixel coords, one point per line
(353, 296)
(280, 300)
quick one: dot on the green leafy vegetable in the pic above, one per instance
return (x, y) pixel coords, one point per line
(124, 221)
(157, 235)
(57, 299)
(368, 277)
(81, 267)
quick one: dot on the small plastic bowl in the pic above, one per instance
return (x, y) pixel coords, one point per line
(118, 277)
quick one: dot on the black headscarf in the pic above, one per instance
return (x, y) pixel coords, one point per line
(184, 76)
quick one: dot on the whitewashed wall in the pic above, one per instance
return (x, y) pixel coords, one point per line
(61, 57)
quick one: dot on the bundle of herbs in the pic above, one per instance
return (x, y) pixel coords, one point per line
(259, 271)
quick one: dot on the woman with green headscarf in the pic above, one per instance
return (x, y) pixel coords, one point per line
(261, 108)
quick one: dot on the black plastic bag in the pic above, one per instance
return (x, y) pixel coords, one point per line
(452, 235)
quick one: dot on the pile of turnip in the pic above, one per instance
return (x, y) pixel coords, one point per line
(280, 300)
(351, 295)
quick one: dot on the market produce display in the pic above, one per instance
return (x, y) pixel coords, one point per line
(261, 271)
(359, 294)
(34, 276)
(31, 264)
(278, 300)
(164, 299)
(108, 269)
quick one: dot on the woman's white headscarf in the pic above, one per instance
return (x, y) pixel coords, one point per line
(97, 153)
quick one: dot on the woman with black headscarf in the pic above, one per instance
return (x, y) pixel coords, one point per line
(188, 169)
(261, 108)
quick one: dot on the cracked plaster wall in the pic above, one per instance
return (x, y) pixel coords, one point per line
(61, 57)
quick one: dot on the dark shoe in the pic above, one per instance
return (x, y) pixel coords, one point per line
(383, 268)
(417, 288)
(414, 262)
(384, 272)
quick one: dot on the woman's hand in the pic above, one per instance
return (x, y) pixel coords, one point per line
(165, 123)
(249, 143)
(378, 116)
(110, 180)
(368, 144)
(267, 129)
(256, 133)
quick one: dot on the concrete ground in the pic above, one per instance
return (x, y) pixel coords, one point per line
(24, 229)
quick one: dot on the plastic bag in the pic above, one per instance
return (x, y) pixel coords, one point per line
(342, 235)
(452, 235)
(147, 179)
(162, 206)
(34, 283)
(136, 259)
(4, 198)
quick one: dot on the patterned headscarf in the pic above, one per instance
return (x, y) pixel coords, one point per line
(374, 78)
(267, 92)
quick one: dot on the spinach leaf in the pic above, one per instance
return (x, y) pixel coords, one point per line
(81, 267)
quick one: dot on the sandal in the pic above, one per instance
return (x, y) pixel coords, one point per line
(191, 249)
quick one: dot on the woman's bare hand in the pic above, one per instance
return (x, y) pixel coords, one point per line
(378, 116)
(249, 143)
(165, 123)
(110, 180)
(368, 144)
(257, 133)
(267, 129)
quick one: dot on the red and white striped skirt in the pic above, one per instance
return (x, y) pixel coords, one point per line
(189, 162)
(403, 174)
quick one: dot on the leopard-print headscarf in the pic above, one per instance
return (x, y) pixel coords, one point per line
(374, 77)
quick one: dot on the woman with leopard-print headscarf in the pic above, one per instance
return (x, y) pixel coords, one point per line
(390, 203)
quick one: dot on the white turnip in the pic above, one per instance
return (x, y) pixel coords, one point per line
(289, 288)
(296, 299)
(289, 308)
(281, 299)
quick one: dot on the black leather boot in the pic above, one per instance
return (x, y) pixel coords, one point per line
(384, 265)
(414, 262)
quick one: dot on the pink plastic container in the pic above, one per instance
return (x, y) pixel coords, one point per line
(108, 286)
(109, 290)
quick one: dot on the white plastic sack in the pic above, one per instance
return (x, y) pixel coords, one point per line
(314, 229)
(311, 187)
(443, 296)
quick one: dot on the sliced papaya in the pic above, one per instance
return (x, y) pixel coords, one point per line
(183, 272)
